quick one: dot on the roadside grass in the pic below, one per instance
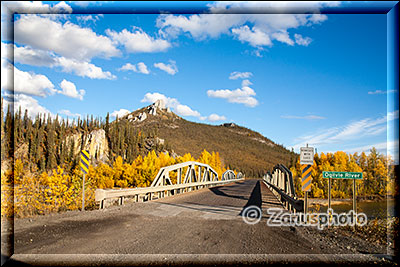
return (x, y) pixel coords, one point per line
(381, 231)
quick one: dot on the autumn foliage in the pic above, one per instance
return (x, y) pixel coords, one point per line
(60, 191)
(378, 177)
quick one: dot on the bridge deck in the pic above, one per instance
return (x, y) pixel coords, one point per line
(203, 221)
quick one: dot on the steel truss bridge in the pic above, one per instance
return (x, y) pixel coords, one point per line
(187, 176)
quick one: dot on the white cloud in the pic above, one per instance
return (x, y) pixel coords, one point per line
(37, 7)
(244, 21)
(199, 26)
(120, 113)
(69, 89)
(300, 40)
(88, 18)
(308, 117)
(242, 75)
(68, 113)
(9, 8)
(25, 82)
(128, 66)
(246, 83)
(29, 56)
(138, 41)
(139, 68)
(255, 37)
(178, 108)
(170, 68)
(62, 7)
(68, 39)
(173, 103)
(216, 117)
(6, 74)
(83, 69)
(25, 102)
(352, 131)
(380, 92)
(36, 57)
(32, 84)
(142, 68)
(153, 97)
(185, 110)
(283, 37)
(244, 95)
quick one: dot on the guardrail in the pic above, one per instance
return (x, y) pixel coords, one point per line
(281, 184)
(162, 185)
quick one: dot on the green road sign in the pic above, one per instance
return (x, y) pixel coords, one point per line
(342, 175)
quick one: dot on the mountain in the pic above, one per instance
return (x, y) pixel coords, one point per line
(45, 142)
(239, 148)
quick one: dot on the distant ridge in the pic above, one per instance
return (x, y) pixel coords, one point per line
(239, 148)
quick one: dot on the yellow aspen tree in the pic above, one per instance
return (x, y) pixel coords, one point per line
(381, 174)
(205, 157)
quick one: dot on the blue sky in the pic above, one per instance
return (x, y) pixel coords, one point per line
(319, 79)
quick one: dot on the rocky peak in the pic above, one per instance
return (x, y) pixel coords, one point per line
(157, 108)
(159, 104)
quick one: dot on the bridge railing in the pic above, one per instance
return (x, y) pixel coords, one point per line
(280, 181)
(197, 176)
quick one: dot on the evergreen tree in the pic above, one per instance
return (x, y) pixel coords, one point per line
(9, 134)
(107, 126)
(27, 125)
(50, 144)
(18, 127)
(40, 156)
(33, 145)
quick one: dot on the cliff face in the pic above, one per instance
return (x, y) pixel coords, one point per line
(95, 142)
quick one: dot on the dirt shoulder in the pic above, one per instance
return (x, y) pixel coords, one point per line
(201, 225)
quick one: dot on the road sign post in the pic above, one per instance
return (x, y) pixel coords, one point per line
(343, 175)
(354, 202)
(307, 155)
(84, 163)
(306, 161)
(83, 192)
(329, 197)
(306, 184)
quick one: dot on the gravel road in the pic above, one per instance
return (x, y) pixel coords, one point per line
(200, 226)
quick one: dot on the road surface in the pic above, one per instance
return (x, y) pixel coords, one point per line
(205, 223)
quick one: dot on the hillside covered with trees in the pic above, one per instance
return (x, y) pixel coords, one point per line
(44, 143)
(40, 158)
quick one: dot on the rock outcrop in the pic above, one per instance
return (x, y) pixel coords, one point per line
(155, 109)
(95, 142)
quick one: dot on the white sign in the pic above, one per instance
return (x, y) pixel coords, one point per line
(307, 155)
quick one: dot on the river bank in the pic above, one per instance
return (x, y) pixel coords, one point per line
(337, 201)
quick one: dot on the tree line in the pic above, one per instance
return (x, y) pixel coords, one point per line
(43, 145)
(378, 174)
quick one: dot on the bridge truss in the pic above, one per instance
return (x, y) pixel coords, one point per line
(280, 181)
(170, 180)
